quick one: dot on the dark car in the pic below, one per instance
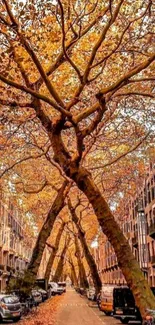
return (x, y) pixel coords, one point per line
(36, 296)
(44, 285)
(10, 307)
(124, 307)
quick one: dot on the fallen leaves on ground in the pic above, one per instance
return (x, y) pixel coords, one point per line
(44, 314)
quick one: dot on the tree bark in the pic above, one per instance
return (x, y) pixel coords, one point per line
(82, 274)
(53, 253)
(45, 231)
(134, 277)
(59, 268)
(73, 273)
(90, 260)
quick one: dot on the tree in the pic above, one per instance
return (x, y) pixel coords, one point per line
(105, 60)
(73, 274)
(82, 273)
(54, 252)
(60, 265)
(90, 260)
(45, 232)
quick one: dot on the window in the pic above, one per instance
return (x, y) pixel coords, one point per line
(153, 193)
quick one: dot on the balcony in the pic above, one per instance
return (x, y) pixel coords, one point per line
(6, 247)
(10, 268)
(151, 230)
(2, 267)
(135, 240)
(1, 239)
(152, 258)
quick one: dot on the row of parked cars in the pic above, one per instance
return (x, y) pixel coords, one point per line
(117, 301)
(14, 305)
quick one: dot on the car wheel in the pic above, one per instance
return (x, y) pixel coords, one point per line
(124, 321)
(15, 320)
(107, 313)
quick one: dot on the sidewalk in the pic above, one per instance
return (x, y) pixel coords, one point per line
(45, 314)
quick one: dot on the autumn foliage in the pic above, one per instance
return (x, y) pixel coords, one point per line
(76, 99)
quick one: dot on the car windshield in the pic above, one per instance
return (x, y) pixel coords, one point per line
(61, 284)
(53, 284)
(107, 292)
(35, 293)
(10, 300)
(123, 298)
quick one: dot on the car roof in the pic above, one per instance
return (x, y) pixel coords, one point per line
(3, 295)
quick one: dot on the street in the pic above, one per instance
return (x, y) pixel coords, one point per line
(77, 310)
(68, 309)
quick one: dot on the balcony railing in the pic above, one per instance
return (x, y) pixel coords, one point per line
(6, 246)
(2, 267)
(152, 260)
(151, 230)
(135, 240)
(10, 268)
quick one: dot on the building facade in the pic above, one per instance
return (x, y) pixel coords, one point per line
(138, 225)
(15, 243)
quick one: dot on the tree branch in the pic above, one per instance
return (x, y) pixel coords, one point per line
(124, 79)
(35, 94)
(63, 43)
(123, 155)
(33, 56)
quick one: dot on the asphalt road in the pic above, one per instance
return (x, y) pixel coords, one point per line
(77, 310)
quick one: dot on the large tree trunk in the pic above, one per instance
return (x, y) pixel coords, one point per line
(74, 276)
(82, 274)
(135, 278)
(73, 272)
(45, 232)
(90, 260)
(60, 265)
(53, 253)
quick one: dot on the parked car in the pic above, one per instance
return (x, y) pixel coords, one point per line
(77, 289)
(43, 284)
(10, 307)
(82, 291)
(56, 289)
(106, 299)
(124, 306)
(91, 294)
(43, 293)
(37, 297)
(98, 299)
(150, 317)
(62, 286)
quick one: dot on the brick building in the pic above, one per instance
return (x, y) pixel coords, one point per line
(15, 243)
(138, 225)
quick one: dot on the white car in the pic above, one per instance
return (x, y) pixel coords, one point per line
(91, 293)
(56, 289)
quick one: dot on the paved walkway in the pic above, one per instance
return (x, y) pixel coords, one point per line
(77, 310)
